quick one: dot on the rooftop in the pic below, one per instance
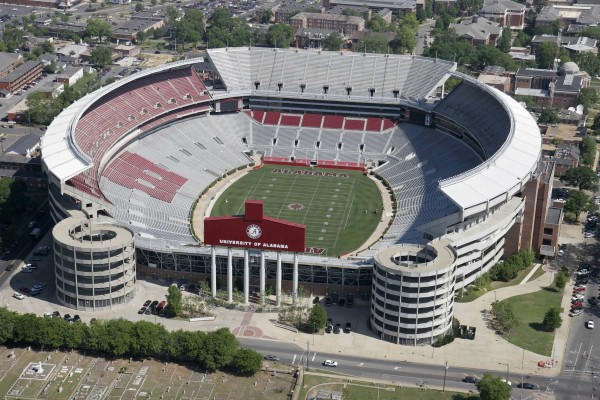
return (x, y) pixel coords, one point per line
(20, 70)
(8, 59)
(554, 215)
(328, 17)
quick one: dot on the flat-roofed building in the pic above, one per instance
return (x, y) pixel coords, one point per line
(335, 22)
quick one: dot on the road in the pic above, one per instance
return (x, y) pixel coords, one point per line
(423, 32)
(403, 373)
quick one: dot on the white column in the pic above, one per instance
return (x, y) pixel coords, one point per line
(229, 275)
(263, 274)
(246, 276)
(213, 271)
(295, 279)
(278, 280)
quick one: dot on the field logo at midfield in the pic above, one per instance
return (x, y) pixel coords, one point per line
(309, 172)
(296, 206)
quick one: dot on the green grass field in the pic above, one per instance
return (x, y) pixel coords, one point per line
(529, 310)
(331, 207)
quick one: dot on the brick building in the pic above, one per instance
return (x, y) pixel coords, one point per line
(334, 22)
(505, 12)
(539, 226)
(8, 63)
(28, 72)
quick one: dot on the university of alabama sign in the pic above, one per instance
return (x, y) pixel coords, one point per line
(255, 231)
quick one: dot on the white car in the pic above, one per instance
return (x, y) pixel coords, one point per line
(330, 363)
(561, 253)
(509, 383)
(18, 295)
(590, 324)
(575, 313)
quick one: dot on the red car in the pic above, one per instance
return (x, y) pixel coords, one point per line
(576, 306)
(578, 290)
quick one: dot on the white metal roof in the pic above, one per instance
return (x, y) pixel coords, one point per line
(506, 171)
(60, 154)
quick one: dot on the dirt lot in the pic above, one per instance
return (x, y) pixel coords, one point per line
(153, 60)
(76, 376)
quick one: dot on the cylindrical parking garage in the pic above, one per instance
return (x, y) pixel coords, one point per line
(413, 292)
(95, 264)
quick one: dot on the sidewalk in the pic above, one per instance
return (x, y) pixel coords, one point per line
(487, 351)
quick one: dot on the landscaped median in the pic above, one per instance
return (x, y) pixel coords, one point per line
(353, 389)
(529, 311)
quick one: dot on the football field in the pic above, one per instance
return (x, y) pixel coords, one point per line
(340, 208)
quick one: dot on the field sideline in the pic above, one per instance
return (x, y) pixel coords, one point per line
(330, 202)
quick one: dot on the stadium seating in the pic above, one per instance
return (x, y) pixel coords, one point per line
(178, 162)
(479, 113)
(131, 106)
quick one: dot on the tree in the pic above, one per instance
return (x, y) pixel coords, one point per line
(588, 150)
(588, 97)
(219, 348)
(546, 54)
(266, 16)
(596, 124)
(148, 339)
(98, 28)
(492, 388)
(505, 40)
(153, 2)
(101, 56)
(504, 317)
(139, 7)
(317, 318)
(174, 302)
(577, 202)
(548, 116)
(552, 320)
(280, 35)
(373, 44)
(582, 177)
(7, 324)
(246, 362)
(377, 24)
(334, 41)
(560, 280)
(405, 40)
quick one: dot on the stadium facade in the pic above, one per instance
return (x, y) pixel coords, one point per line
(143, 149)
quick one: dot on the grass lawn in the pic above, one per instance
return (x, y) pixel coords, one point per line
(471, 293)
(331, 203)
(359, 390)
(529, 310)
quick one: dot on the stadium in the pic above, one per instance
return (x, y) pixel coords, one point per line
(402, 195)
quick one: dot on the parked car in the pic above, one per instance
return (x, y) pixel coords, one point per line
(142, 310)
(348, 327)
(271, 357)
(330, 363)
(18, 295)
(328, 329)
(470, 379)
(9, 267)
(341, 302)
(575, 313)
(337, 328)
(76, 318)
(316, 300)
(68, 318)
(56, 314)
(327, 301)
(147, 303)
(561, 253)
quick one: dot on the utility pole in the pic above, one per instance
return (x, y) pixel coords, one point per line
(445, 373)
(307, 353)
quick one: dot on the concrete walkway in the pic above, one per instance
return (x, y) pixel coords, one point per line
(487, 351)
(530, 274)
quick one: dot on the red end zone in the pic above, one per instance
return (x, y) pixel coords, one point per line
(254, 231)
